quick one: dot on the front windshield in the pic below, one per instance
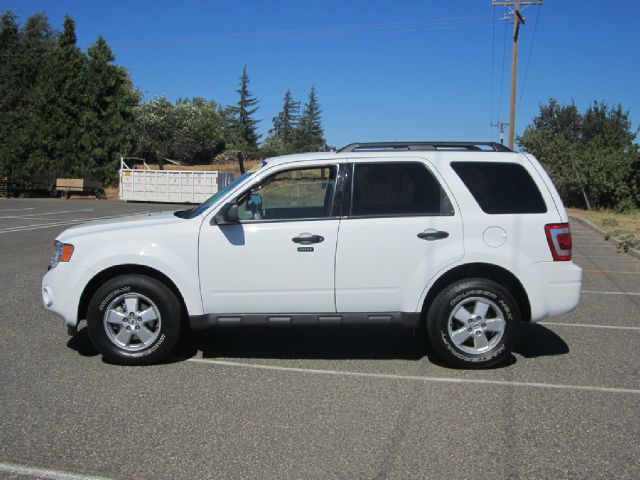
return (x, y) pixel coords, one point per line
(192, 212)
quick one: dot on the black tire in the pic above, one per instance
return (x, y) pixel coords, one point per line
(457, 301)
(110, 300)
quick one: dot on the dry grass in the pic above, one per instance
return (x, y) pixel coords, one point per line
(111, 193)
(615, 224)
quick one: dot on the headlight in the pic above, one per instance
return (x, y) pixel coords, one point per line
(62, 252)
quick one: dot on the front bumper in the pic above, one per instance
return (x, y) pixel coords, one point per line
(62, 287)
(553, 288)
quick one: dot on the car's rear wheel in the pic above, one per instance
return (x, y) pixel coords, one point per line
(473, 323)
(134, 320)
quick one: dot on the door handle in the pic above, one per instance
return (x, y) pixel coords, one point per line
(431, 234)
(307, 239)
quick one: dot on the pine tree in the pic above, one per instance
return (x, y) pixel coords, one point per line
(228, 120)
(242, 126)
(11, 90)
(56, 117)
(310, 134)
(21, 61)
(108, 118)
(282, 136)
(286, 121)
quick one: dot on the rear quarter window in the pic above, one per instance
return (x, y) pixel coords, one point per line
(501, 188)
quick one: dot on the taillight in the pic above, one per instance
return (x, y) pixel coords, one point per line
(559, 238)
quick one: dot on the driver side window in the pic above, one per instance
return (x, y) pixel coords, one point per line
(290, 195)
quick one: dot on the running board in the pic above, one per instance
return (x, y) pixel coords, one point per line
(407, 319)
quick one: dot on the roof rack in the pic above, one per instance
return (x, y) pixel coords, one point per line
(418, 146)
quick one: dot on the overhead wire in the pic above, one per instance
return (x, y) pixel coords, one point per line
(340, 31)
(533, 41)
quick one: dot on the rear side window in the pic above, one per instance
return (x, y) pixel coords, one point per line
(397, 188)
(501, 187)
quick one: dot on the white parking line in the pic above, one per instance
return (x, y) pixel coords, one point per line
(598, 244)
(415, 378)
(578, 254)
(617, 272)
(586, 325)
(49, 213)
(16, 209)
(610, 293)
(44, 473)
(28, 219)
(66, 222)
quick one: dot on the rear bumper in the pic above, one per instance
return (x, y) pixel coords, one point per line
(553, 288)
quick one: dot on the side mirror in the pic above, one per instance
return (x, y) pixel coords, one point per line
(227, 215)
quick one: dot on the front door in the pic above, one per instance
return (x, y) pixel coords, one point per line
(280, 257)
(401, 230)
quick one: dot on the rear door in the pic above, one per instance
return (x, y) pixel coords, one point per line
(401, 229)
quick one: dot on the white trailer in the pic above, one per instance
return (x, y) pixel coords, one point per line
(179, 186)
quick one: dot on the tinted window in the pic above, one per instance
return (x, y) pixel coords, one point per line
(397, 189)
(501, 187)
(292, 194)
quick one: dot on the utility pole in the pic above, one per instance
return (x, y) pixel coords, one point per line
(517, 20)
(501, 126)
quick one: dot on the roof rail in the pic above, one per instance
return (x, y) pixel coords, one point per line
(392, 146)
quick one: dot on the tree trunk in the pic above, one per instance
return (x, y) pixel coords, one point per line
(241, 162)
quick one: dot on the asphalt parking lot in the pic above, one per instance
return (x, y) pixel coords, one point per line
(314, 403)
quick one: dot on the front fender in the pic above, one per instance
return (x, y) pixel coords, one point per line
(183, 276)
(169, 250)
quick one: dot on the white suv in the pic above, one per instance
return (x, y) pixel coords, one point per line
(466, 239)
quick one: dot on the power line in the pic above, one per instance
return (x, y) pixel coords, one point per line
(398, 27)
(533, 42)
(518, 20)
(501, 126)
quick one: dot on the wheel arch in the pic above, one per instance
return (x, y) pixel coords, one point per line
(126, 269)
(489, 271)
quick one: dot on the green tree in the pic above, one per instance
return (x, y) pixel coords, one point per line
(108, 120)
(282, 136)
(241, 125)
(154, 129)
(286, 121)
(198, 131)
(309, 132)
(189, 131)
(11, 90)
(21, 61)
(64, 113)
(594, 152)
(56, 116)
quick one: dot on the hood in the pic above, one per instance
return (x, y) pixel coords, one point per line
(122, 223)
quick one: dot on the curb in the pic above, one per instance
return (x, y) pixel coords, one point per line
(606, 235)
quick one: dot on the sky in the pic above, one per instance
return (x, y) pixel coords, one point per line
(384, 70)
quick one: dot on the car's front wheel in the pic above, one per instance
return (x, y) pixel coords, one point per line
(473, 323)
(134, 320)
